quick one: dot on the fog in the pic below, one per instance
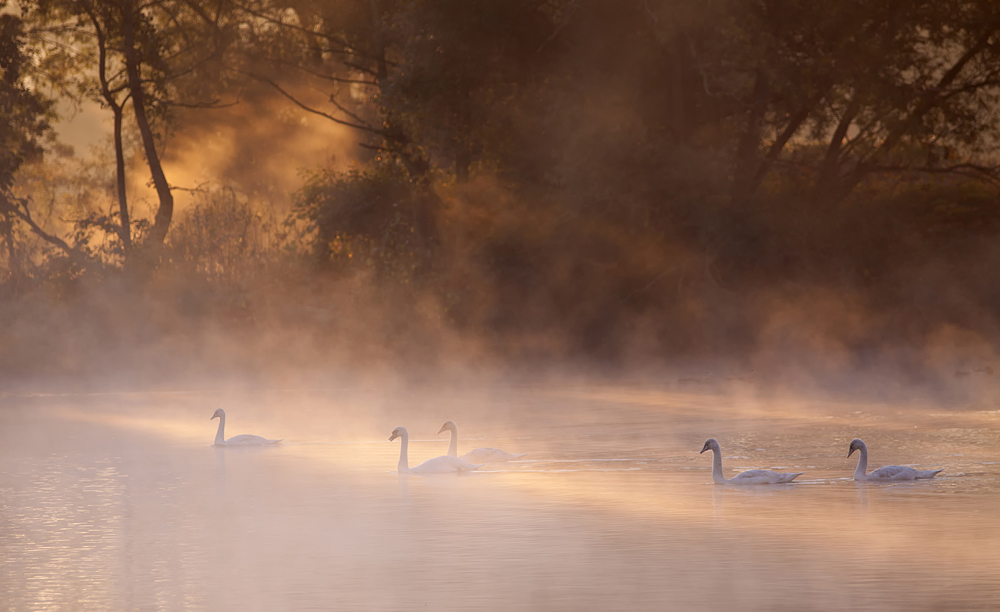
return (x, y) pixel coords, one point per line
(595, 233)
(119, 501)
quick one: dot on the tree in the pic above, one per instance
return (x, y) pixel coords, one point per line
(24, 121)
(872, 87)
(152, 57)
(431, 84)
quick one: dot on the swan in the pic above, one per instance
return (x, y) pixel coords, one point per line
(889, 472)
(747, 477)
(437, 465)
(243, 440)
(479, 455)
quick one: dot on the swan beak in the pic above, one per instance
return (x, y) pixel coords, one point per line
(442, 429)
(852, 452)
(392, 437)
(703, 450)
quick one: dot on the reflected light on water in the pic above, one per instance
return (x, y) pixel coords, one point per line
(114, 504)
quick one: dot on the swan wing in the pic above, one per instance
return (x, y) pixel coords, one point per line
(753, 475)
(249, 440)
(444, 464)
(893, 472)
(900, 472)
(763, 477)
(490, 455)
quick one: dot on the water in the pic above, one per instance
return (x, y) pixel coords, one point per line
(118, 502)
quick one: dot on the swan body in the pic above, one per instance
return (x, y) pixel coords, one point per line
(490, 455)
(479, 455)
(887, 473)
(438, 465)
(747, 477)
(241, 440)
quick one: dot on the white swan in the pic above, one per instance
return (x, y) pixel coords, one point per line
(243, 440)
(889, 472)
(479, 455)
(747, 477)
(437, 465)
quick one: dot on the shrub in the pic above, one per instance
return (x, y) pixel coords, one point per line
(368, 220)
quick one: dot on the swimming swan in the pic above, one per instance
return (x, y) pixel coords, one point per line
(437, 465)
(748, 477)
(243, 440)
(889, 472)
(479, 455)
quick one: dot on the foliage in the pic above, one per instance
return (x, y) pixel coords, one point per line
(556, 175)
(24, 114)
(222, 239)
(366, 220)
(24, 122)
(151, 56)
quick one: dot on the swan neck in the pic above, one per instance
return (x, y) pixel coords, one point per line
(404, 462)
(859, 472)
(453, 446)
(717, 476)
(220, 435)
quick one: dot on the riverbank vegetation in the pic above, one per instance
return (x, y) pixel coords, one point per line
(303, 184)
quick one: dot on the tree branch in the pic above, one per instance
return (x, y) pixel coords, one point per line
(341, 108)
(794, 123)
(22, 212)
(325, 77)
(933, 95)
(309, 109)
(987, 173)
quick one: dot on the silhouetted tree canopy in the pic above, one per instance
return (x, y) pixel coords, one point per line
(590, 169)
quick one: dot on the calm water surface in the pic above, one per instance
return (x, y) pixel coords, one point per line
(118, 502)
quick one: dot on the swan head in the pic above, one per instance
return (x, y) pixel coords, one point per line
(710, 444)
(220, 413)
(448, 426)
(399, 432)
(856, 445)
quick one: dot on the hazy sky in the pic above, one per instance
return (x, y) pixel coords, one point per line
(83, 128)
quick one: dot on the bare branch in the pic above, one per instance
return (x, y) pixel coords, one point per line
(361, 68)
(347, 48)
(199, 189)
(212, 105)
(370, 147)
(571, 10)
(325, 77)
(341, 108)
(23, 212)
(201, 13)
(932, 96)
(309, 109)
(987, 173)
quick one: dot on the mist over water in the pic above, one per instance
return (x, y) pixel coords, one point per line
(118, 501)
(598, 233)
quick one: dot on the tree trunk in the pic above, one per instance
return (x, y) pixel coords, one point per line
(13, 262)
(125, 229)
(381, 70)
(678, 105)
(126, 224)
(462, 162)
(791, 128)
(827, 182)
(165, 212)
(747, 152)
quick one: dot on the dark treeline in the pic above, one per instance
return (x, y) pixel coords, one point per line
(529, 179)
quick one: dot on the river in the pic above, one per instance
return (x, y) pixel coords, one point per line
(118, 501)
